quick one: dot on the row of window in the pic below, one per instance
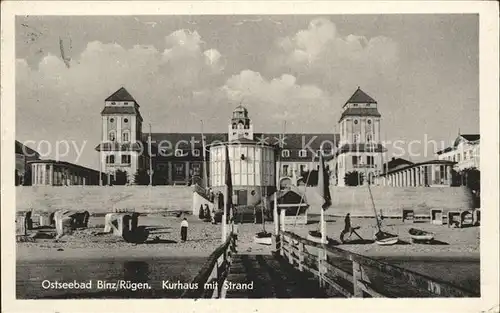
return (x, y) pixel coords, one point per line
(125, 136)
(112, 120)
(125, 158)
(467, 155)
(356, 137)
(124, 103)
(365, 104)
(357, 160)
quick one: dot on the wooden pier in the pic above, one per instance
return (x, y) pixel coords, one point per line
(300, 268)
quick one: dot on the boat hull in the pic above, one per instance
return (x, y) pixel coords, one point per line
(263, 240)
(387, 241)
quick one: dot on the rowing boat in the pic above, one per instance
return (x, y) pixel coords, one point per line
(420, 235)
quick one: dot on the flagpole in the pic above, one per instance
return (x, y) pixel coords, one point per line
(205, 175)
(322, 216)
(150, 159)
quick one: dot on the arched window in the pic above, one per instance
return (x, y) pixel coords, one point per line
(125, 136)
(112, 135)
(369, 137)
(240, 125)
(234, 125)
(355, 138)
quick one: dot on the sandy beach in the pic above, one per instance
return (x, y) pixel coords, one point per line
(453, 257)
(203, 238)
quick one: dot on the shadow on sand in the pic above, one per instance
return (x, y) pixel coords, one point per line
(158, 241)
(359, 242)
(431, 242)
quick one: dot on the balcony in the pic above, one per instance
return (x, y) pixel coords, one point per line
(364, 166)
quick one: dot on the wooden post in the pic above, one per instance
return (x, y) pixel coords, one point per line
(356, 275)
(301, 256)
(275, 215)
(321, 259)
(323, 226)
(282, 220)
(290, 249)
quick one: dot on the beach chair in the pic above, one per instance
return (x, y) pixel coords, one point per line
(436, 216)
(466, 218)
(408, 216)
(476, 217)
(454, 219)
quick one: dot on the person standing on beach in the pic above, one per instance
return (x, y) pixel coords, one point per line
(184, 229)
(347, 227)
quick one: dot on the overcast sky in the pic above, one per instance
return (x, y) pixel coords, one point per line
(422, 69)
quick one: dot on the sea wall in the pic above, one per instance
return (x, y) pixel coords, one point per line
(104, 198)
(391, 200)
(354, 200)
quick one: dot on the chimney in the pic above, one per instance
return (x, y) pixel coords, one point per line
(393, 158)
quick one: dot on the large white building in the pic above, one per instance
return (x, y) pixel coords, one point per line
(180, 159)
(465, 151)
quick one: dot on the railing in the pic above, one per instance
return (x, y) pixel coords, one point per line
(202, 192)
(364, 166)
(354, 282)
(210, 279)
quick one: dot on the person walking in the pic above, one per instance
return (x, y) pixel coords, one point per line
(184, 229)
(349, 229)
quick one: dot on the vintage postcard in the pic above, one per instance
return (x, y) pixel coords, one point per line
(220, 151)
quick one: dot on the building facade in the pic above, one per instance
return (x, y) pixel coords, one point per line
(24, 155)
(360, 148)
(178, 158)
(434, 173)
(465, 151)
(58, 173)
(122, 146)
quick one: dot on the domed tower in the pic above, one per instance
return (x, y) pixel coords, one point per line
(241, 125)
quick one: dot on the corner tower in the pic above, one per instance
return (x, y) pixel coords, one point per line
(121, 135)
(360, 147)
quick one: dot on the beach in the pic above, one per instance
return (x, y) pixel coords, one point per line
(454, 256)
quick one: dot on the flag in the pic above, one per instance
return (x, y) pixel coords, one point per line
(229, 185)
(323, 183)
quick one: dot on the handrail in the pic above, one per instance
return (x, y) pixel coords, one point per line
(215, 269)
(293, 247)
(202, 192)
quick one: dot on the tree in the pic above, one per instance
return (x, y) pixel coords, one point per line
(159, 177)
(353, 178)
(201, 213)
(141, 177)
(120, 178)
(456, 178)
(473, 179)
(27, 177)
(16, 176)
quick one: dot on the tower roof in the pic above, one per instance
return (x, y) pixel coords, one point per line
(359, 96)
(240, 108)
(121, 95)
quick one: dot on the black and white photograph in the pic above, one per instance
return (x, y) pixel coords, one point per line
(250, 156)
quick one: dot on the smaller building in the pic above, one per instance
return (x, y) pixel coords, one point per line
(24, 154)
(464, 151)
(59, 173)
(432, 173)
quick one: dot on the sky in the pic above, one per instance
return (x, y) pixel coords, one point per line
(423, 70)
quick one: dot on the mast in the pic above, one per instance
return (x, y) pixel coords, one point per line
(150, 159)
(205, 174)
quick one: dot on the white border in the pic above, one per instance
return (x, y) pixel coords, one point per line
(489, 95)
